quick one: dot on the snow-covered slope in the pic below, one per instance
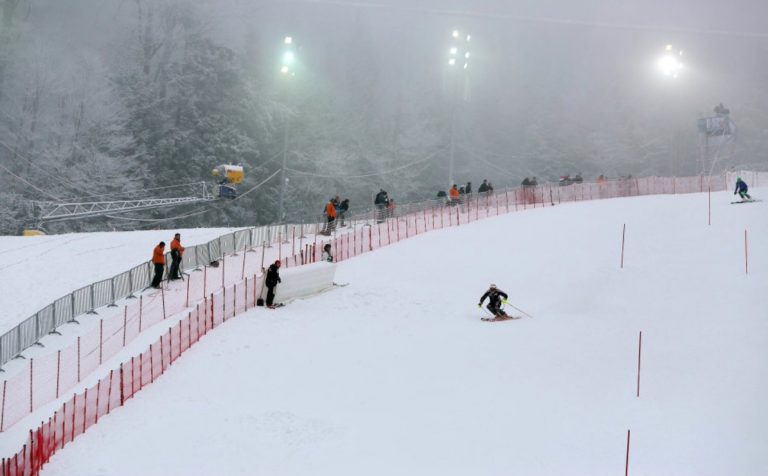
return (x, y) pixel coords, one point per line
(36, 270)
(396, 374)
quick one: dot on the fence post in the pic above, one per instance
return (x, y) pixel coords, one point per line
(112, 290)
(31, 381)
(58, 372)
(78, 359)
(101, 341)
(162, 298)
(122, 385)
(93, 301)
(2, 410)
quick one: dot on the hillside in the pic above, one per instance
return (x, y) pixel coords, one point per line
(395, 374)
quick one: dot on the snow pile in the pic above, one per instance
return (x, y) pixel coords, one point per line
(395, 373)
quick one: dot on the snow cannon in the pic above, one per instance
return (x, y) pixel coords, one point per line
(228, 175)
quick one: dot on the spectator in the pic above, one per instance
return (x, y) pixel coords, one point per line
(468, 188)
(381, 201)
(343, 208)
(330, 215)
(526, 182)
(454, 195)
(158, 260)
(483, 187)
(177, 251)
(327, 256)
(273, 277)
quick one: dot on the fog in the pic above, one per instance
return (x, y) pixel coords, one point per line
(104, 99)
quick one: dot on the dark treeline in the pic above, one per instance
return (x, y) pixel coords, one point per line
(105, 99)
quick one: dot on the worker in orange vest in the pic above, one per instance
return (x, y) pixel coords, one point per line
(455, 195)
(158, 260)
(177, 251)
(330, 215)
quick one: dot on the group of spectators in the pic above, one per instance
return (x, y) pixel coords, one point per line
(456, 193)
(335, 209)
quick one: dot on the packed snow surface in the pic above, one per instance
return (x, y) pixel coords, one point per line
(396, 374)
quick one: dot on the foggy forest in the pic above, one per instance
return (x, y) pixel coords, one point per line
(105, 100)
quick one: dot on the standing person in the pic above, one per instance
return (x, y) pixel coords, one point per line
(158, 260)
(327, 256)
(390, 207)
(741, 188)
(468, 188)
(496, 297)
(273, 277)
(177, 251)
(454, 195)
(330, 215)
(343, 208)
(381, 202)
(483, 186)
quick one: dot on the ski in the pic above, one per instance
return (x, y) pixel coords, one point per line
(746, 201)
(499, 318)
(341, 285)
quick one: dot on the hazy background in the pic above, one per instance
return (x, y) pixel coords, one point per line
(104, 99)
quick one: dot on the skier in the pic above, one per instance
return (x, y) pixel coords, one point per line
(327, 256)
(177, 251)
(741, 189)
(496, 297)
(273, 277)
(158, 260)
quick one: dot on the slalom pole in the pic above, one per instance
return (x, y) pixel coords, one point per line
(519, 310)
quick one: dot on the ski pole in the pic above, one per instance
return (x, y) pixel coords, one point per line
(486, 310)
(520, 310)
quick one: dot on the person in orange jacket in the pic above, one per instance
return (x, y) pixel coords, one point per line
(177, 251)
(158, 260)
(330, 215)
(454, 194)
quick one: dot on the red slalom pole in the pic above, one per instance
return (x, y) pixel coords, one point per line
(709, 219)
(639, 355)
(623, 234)
(626, 464)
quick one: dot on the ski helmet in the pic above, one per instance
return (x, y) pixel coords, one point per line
(492, 286)
(277, 262)
(738, 179)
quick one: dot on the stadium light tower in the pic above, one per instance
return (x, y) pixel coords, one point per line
(458, 64)
(288, 72)
(670, 63)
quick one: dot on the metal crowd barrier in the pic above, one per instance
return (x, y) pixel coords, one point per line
(125, 285)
